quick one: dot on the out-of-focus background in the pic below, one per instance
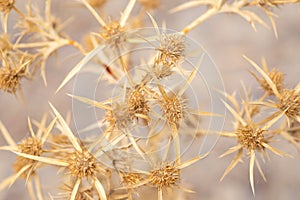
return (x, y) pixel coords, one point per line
(226, 38)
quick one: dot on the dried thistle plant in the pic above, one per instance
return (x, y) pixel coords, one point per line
(125, 156)
(287, 100)
(164, 176)
(240, 7)
(25, 167)
(274, 74)
(253, 137)
(14, 69)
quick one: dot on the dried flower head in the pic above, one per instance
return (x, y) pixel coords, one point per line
(82, 164)
(31, 146)
(171, 48)
(131, 178)
(170, 52)
(10, 79)
(165, 176)
(113, 33)
(289, 101)
(274, 75)
(25, 166)
(250, 137)
(15, 67)
(173, 108)
(137, 103)
(277, 78)
(6, 5)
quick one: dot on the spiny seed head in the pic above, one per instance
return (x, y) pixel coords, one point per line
(137, 103)
(173, 108)
(171, 51)
(172, 47)
(113, 33)
(82, 164)
(6, 5)
(250, 137)
(31, 146)
(276, 77)
(10, 79)
(166, 176)
(131, 178)
(290, 101)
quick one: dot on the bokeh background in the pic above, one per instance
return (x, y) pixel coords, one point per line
(226, 38)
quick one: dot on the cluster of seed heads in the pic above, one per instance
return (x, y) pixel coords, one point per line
(43, 36)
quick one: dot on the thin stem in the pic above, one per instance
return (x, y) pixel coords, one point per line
(209, 13)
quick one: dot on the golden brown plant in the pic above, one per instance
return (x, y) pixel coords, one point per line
(253, 137)
(6, 5)
(287, 100)
(25, 167)
(138, 103)
(45, 35)
(239, 7)
(14, 68)
(81, 164)
(165, 176)
(125, 156)
(274, 74)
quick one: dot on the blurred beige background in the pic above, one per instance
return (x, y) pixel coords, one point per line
(226, 38)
